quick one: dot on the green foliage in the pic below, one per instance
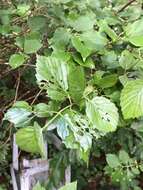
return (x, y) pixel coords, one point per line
(122, 168)
(75, 67)
(76, 87)
(131, 99)
(19, 114)
(112, 160)
(38, 187)
(30, 139)
(54, 72)
(102, 114)
(17, 60)
(72, 186)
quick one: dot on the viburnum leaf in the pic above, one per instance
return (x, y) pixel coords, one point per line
(30, 139)
(132, 99)
(70, 186)
(53, 72)
(102, 114)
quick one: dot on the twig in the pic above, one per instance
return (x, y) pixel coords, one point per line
(9, 137)
(2, 75)
(31, 97)
(36, 96)
(58, 113)
(126, 5)
(17, 87)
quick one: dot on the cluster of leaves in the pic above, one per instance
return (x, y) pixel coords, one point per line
(87, 57)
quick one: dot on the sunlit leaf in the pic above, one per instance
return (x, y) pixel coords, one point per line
(132, 99)
(102, 114)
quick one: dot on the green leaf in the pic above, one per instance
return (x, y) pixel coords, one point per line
(109, 59)
(61, 55)
(70, 186)
(83, 22)
(132, 99)
(102, 114)
(23, 9)
(127, 60)
(135, 28)
(107, 81)
(81, 47)
(42, 110)
(45, 110)
(88, 63)
(70, 142)
(32, 43)
(123, 79)
(76, 87)
(59, 41)
(36, 22)
(135, 170)
(54, 73)
(30, 139)
(134, 32)
(118, 175)
(38, 187)
(62, 128)
(22, 104)
(19, 114)
(137, 40)
(16, 60)
(94, 40)
(84, 155)
(105, 28)
(85, 141)
(112, 160)
(141, 167)
(123, 157)
(71, 128)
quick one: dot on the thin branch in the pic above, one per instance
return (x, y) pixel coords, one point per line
(58, 113)
(33, 97)
(126, 5)
(17, 87)
(36, 96)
